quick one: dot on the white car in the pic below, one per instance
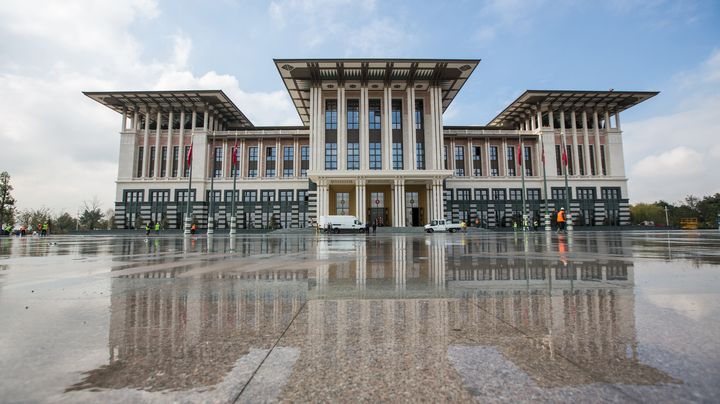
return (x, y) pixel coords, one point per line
(442, 225)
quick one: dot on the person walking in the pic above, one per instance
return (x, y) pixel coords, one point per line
(463, 226)
(157, 228)
(147, 228)
(193, 228)
(561, 220)
(45, 229)
(374, 226)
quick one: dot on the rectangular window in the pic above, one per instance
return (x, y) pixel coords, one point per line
(181, 195)
(533, 194)
(302, 196)
(151, 170)
(481, 194)
(229, 195)
(217, 162)
(217, 195)
(331, 156)
(287, 172)
(140, 161)
(396, 114)
(603, 167)
(267, 196)
(269, 172)
(288, 153)
(581, 159)
(557, 193)
(498, 194)
(420, 152)
(374, 120)
(270, 154)
(592, 160)
(494, 164)
(353, 114)
(330, 114)
(185, 164)
(286, 196)
(463, 194)
(305, 153)
(353, 156)
(375, 156)
(477, 160)
(397, 156)
(570, 169)
(610, 193)
(252, 162)
(558, 159)
(515, 194)
(459, 161)
(253, 154)
(133, 196)
(175, 160)
(418, 115)
(527, 161)
(585, 193)
(163, 161)
(249, 196)
(511, 161)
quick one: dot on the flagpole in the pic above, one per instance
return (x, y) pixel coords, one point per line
(211, 214)
(188, 219)
(522, 170)
(567, 194)
(233, 220)
(547, 208)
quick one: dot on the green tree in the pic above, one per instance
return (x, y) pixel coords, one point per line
(31, 218)
(7, 202)
(64, 223)
(642, 212)
(92, 215)
(708, 208)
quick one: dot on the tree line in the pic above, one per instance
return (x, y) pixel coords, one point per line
(91, 217)
(705, 210)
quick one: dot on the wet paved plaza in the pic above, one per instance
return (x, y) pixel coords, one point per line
(591, 316)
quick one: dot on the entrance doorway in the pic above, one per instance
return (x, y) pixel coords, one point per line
(413, 212)
(377, 208)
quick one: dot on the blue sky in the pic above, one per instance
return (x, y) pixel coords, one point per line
(53, 50)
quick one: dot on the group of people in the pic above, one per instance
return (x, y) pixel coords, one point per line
(43, 229)
(558, 221)
(150, 226)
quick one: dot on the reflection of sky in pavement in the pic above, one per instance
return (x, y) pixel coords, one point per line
(593, 315)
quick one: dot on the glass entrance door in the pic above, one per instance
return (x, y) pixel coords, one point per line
(412, 209)
(377, 208)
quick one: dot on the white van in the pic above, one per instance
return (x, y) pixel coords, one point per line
(340, 222)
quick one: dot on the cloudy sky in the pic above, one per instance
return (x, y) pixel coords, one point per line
(61, 147)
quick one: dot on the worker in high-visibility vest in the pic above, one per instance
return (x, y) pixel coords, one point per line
(561, 220)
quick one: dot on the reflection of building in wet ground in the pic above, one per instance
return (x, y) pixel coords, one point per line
(377, 313)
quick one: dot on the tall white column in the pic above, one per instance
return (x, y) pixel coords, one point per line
(194, 120)
(296, 157)
(123, 123)
(341, 128)
(360, 200)
(226, 170)
(278, 159)
(486, 158)
(157, 144)
(364, 129)
(439, 121)
(206, 118)
(312, 136)
(586, 143)
(617, 120)
(551, 118)
(134, 121)
(576, 158)
(146, 141)
(502, 156)
(607, 120)
(432, 149)
(386, 126)
(181, 146)
(261, 158)
(168, 156)
(410, 122)
(596, 126)
(563, 146)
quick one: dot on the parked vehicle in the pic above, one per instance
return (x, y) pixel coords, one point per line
(336, 223)
(442, 225)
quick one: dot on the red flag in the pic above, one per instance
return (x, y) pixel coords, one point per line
(234, 153)
(188, 160)
(564, 156)
(519, 154)
(543, 154)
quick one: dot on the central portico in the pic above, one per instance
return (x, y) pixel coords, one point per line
(376, 133)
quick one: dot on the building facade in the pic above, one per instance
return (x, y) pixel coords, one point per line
(373, 145)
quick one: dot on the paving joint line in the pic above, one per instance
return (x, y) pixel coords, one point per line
(583, 369)
(237, 397)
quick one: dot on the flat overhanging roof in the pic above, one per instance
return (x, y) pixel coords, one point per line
(300, 74)
(119, 100)
(531, 100)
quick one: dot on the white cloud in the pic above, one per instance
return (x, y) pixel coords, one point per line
(59, 146)
(675, 155)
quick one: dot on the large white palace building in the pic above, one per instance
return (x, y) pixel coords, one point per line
(373, 145)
